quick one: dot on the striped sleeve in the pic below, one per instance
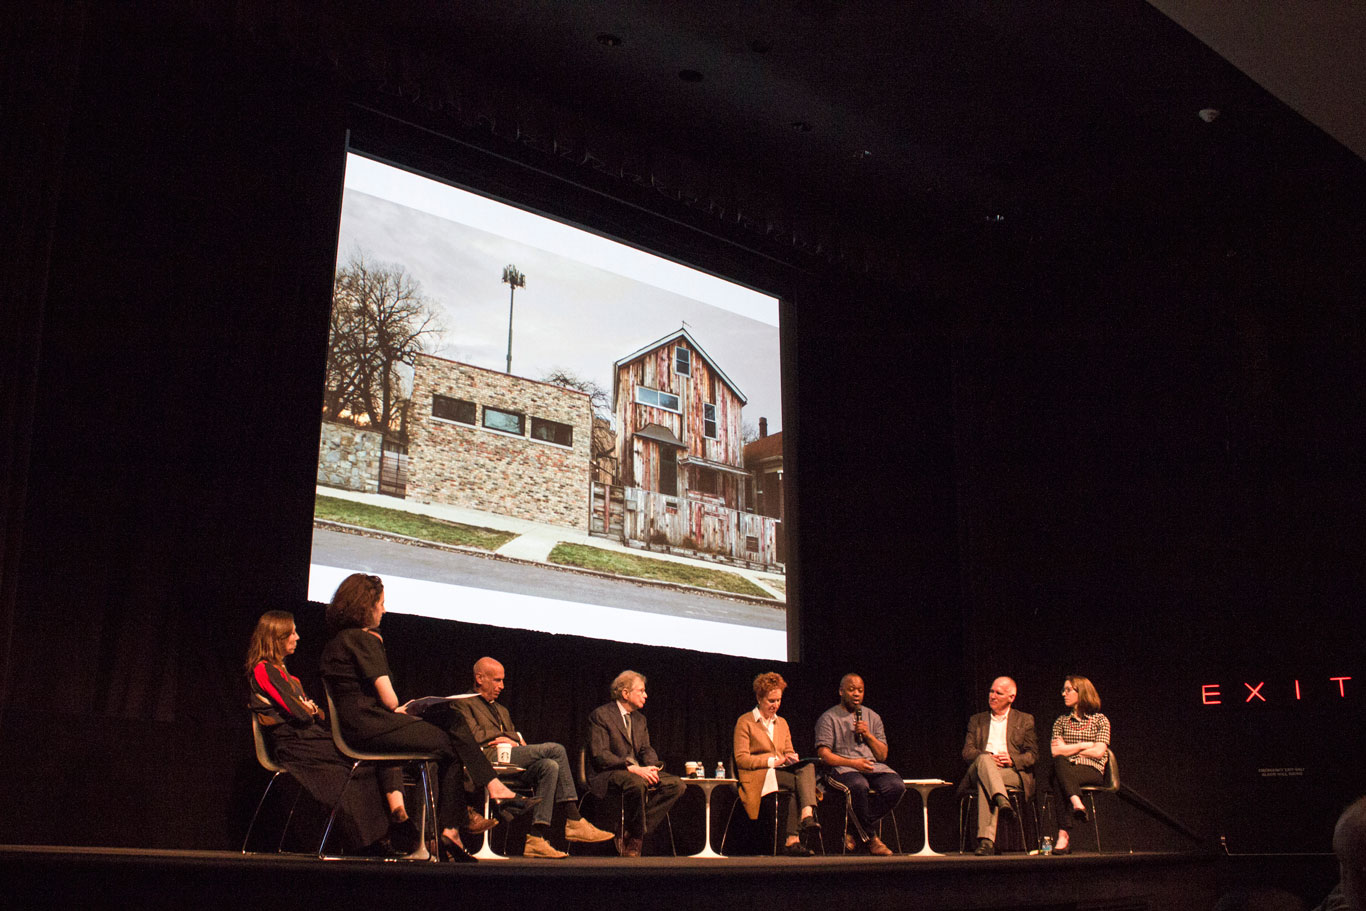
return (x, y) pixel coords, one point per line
(281, 690)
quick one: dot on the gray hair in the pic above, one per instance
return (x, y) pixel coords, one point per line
(624, 681)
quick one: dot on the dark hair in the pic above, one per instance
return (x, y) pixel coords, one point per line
(268, 639)
(1088, 700)
(354, 603)
(769, 680)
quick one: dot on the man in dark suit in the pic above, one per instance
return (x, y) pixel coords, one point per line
(1000, 749)
(621, 756)
(546, 764)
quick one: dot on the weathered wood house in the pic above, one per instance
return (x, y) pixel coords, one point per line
(682, 475)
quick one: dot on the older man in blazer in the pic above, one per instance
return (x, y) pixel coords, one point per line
(1000, 749)
(621, 756)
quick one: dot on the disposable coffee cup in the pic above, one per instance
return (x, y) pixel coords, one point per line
(691, 768)
(504, 752)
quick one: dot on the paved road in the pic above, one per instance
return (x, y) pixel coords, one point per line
(373, 555)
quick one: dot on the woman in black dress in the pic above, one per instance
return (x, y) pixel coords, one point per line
(356, 669)
(295, 728)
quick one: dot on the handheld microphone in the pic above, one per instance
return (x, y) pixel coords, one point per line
(858, 716)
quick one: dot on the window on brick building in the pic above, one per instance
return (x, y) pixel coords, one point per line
(552, 432)
(449, 409)
(506, 421)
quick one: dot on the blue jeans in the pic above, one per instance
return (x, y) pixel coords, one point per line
(871, 796)
(547, 766)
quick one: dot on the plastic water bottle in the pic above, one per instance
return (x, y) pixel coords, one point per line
(1046, 845)
(720, 770)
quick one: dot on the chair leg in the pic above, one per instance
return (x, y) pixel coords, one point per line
(332, 817)
(280, 845)
(430, 824)
(1095, 822)
(259, 804)
(1017, 810)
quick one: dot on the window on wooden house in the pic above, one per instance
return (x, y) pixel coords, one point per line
(449, 409)
(668, 471)
(706, 482)
(505, 421)
(682, 361)
(709, 421)
(552, 432)
(656, 399)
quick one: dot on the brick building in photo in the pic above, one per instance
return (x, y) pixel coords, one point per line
(486, 440)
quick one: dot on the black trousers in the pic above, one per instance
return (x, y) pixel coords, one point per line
(310, 756)
(456, 754)
(1068, 777)
(645, 805)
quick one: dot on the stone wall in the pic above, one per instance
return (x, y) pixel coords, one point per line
(472, 466)
(348, 457)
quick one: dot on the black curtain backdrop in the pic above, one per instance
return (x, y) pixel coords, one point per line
(1130, 449)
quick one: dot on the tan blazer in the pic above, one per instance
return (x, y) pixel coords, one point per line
(752, 748)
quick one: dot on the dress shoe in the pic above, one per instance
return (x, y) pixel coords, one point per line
(478, 823)
(403, 835)
(1058, 852)
(809, 823)
(877, 848)
(512, 807)
(536, 846)
(985, 847)
(454, 852)
(851, 845)
(1080, 815)
(631, 847)
(1002, 802)
(585, 831)
(797, 849)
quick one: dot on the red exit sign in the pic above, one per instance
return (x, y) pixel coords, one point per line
(1264, 692)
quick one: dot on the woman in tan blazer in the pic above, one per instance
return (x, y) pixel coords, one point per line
(763, 745)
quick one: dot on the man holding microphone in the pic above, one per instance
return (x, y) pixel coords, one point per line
(852, 743)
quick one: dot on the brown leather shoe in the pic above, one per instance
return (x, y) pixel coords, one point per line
(877, 848)
(477, 822)
(851, 844)
(631, 847)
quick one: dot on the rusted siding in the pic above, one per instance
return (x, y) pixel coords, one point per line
(700, 525)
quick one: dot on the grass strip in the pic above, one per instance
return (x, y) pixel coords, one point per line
(400, 522)
(637, 567)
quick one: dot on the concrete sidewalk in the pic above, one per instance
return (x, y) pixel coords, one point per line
(535, 540)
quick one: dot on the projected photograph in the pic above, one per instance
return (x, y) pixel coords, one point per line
(528, 425)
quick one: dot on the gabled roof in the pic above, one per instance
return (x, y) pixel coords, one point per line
(673, 337)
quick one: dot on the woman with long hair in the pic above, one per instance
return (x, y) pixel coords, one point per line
(762, 743)
(295, 728)
(1081, 748)
(356, 669)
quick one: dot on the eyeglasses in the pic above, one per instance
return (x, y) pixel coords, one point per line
(1067, 688)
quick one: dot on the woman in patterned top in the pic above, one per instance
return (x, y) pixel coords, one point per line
(296, 731)
(1081, 747)
(356, 669)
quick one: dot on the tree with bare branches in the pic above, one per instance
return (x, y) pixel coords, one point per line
(381, 321)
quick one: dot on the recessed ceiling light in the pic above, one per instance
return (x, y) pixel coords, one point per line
(860, 154)
(690, 75)
(607, 39)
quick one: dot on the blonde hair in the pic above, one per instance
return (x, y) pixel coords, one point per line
(268, 639)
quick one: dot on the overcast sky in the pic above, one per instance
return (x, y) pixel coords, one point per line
(571, 315)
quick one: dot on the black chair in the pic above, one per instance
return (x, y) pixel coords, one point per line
(1109, 786)
(267, 759)
(427, 824)
(620, 828)
(833, 783)
(1018, 802)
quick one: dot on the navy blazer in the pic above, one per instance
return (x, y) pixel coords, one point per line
(610, 750)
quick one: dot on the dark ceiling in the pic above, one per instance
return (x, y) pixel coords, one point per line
(947, 112)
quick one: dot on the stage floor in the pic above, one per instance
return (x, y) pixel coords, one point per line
(181, 879)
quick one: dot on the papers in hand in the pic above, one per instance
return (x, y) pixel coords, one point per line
(426, 703)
